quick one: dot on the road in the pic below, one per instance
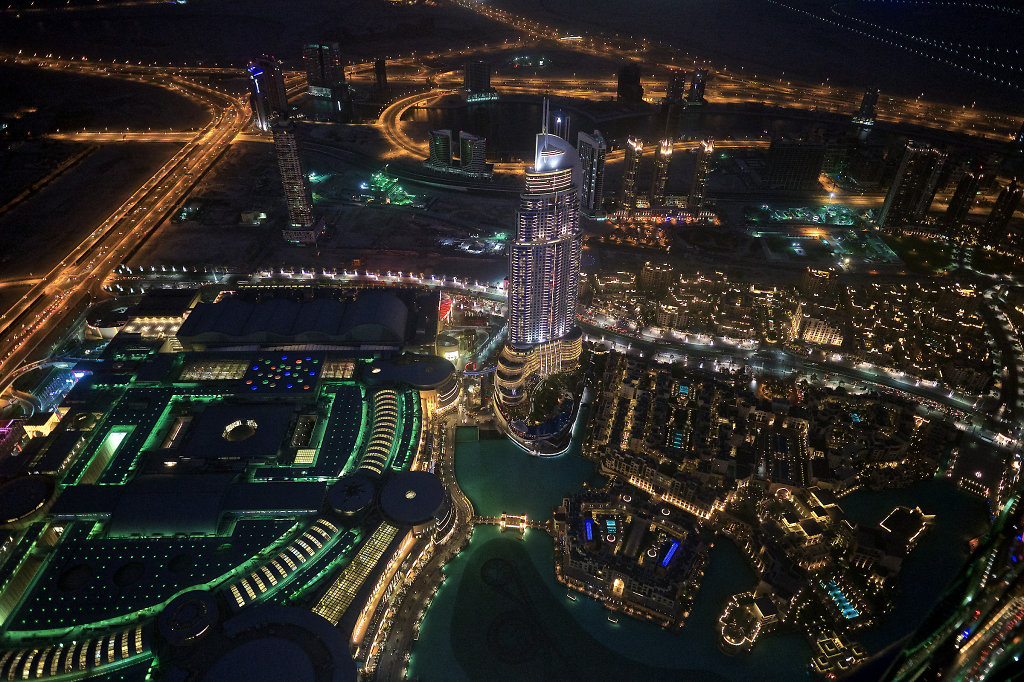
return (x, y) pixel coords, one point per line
(80, 274)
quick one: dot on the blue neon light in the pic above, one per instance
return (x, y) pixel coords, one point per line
(590, 531)
(671, 553)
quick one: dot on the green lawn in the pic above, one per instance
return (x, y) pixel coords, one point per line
(926, 256)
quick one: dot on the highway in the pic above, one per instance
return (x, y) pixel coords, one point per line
(80, 274)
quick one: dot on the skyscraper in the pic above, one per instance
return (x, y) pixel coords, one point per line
(913, 188)
(477, 77)
(675, 90)
(865, 115)
(380, 71)
(472, 153)
(630, 91)
(544, 271)
(699, 80)
(268, 96)
(325, 81)
(440, 149)
(960, 204)
(662, 159)
(695, 203)
(634, 154)
(592, 150)
(999, 219)
(297, 194)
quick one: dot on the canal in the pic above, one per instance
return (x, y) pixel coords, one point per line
(501, 614)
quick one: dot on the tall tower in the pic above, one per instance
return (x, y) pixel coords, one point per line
(695, 203)
(960, 204)
(698, 82)
(661, 164)
(325, 81)
(544, 271)
(472, 153)
(380, 71)
(441, 144)
(630, 90)
(999, 219)
(592, 150)
(675, 90)
(634, 154)
(477, 77)
(865, 115)
(914, 186)
(267, 93)
(297, 193)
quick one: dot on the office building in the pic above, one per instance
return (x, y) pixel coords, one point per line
(998, 221)
(865, 115)
(675, 90)
(630, 91)
(298, 196)
(476, 78)
(472, 153)
(698, 81)
(795, 165)
(960, 204)
(544, 271)
(441, 151)
(662, 161)
(380, 72)
(325, 82)
(592, 150)
(696, 201)
(634, 154)
(267, 94)
(913, 188)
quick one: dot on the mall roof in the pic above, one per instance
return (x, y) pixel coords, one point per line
(423, 372)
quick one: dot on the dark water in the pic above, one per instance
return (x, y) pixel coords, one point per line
(501, 614)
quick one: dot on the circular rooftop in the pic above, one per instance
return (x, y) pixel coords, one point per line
(188, 617)
(424, 372)
(239, 430)
(351, 494)
(412, 498)
(23, 496)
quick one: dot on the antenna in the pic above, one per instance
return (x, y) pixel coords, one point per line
(546, 114)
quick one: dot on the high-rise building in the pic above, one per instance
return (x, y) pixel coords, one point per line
(325, 82)
(698, 81)
(1019, 140)
(705, 151)
(380, 71)
(477, 77)
(324, 67)
(631, 90)
(297, 193)
(662, 160)
(913, 188)
(960, 204)
(998, 220)
(865, 115)
(795, 164)
(441, 144)
(592, 150)
(544, 271)
(267, 93)
(472, 153)
(634, 154)
(675, 91)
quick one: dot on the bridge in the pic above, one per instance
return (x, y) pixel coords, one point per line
(517, 522)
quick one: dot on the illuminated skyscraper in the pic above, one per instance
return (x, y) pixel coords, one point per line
(960, 204)
(695, 204)
(268, 96)
(297, 193)
(592, 150)
(472, 153)
(441, 144)
(544, 270)
(675, 90)
(634, 154)
(661, 165)
(914, 186)
(999, 219)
